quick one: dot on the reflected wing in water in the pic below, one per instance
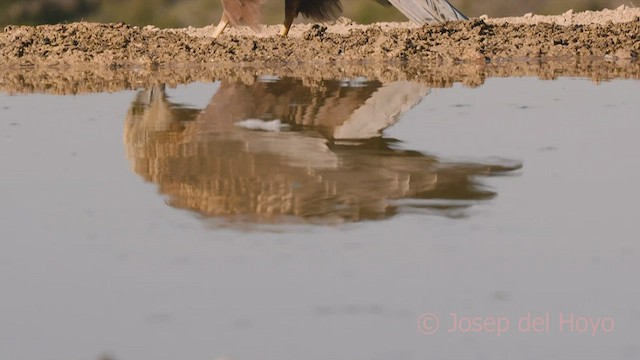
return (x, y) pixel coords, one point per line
(330, 164)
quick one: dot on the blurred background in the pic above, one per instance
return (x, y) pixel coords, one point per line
(181, 13)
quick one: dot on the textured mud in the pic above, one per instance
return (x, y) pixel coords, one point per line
(75, 80)
(475, 40)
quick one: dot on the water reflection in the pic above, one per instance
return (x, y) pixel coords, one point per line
(328, 162)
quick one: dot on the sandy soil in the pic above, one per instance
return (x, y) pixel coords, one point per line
(79, 79)
(612, 34)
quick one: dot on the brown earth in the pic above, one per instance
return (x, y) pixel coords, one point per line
(582, 35)
(81, 57)
(83, 79)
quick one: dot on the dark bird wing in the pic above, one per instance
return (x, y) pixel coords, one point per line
(426, 11)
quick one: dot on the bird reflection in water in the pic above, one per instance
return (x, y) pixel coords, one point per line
(329, 164)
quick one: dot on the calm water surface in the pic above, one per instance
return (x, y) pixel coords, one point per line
(283, 218)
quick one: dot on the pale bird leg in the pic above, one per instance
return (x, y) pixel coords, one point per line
(224, 21)
(291, 8)
(288, 20)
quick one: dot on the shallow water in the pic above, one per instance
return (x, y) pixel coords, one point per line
(148, 225)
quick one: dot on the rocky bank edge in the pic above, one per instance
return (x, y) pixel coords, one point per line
(476, 40)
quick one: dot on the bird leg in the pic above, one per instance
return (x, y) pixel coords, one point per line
(224, 21)
(290, 12)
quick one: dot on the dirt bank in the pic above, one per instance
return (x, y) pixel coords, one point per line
(82, 79)
(477, 40)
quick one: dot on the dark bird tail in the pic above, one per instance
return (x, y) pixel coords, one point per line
(320, 9)
(426, 11)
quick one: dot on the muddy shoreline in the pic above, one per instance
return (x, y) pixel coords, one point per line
(479, 40)
(91, 57)
(85, 79)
